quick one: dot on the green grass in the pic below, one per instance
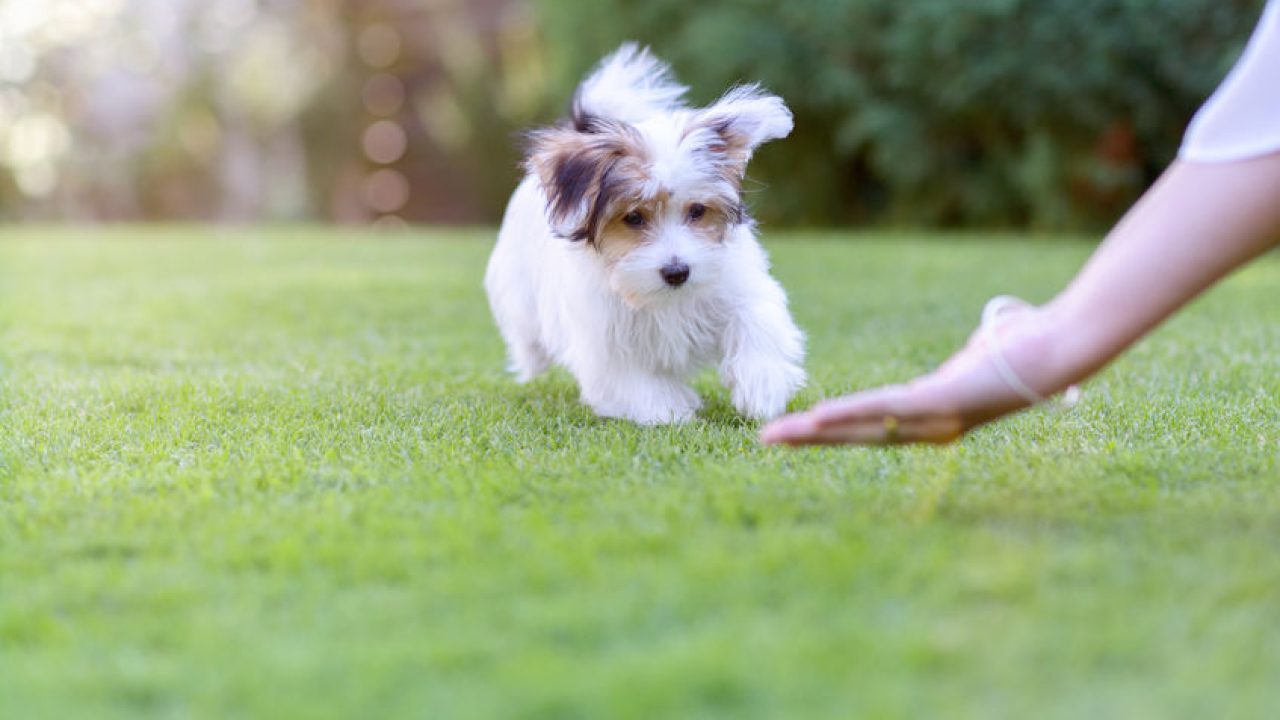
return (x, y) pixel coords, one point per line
(280, 473)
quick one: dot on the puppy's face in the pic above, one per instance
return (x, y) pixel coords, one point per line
(655, 202)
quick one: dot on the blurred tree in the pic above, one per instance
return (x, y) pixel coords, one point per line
(240, 110)
(162, 108)
(1042, 113)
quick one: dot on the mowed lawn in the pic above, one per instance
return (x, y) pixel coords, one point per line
(281, 473)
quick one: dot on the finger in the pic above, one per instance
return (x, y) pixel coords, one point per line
(868, 407)
(859, 432)
(872, 431)
(869, 404)
(802, 430)
(789, 426)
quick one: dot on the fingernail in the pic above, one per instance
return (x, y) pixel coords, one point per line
(773, 433)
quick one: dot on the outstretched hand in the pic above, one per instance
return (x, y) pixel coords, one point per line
(966, 391)
(1200, 221)
(884, 416)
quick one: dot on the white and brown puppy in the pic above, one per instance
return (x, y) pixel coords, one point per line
(627, 257)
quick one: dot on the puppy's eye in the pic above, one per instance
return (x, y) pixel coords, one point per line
(696, 211)
(635, 218)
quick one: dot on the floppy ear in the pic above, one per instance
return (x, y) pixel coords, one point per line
(739, 122)
(573, 168)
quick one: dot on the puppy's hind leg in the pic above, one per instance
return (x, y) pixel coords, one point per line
(517, 319)
(526, 359)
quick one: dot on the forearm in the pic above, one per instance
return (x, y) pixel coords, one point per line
(1199, 222)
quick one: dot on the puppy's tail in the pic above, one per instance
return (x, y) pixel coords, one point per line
(631, 85)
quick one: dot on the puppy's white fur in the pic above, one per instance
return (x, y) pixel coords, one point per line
(574, 279)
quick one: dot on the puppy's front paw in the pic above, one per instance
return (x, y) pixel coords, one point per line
(661, 415)
(761, 389)
(649, 403)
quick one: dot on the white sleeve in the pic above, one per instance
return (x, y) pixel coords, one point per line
(1242, 117)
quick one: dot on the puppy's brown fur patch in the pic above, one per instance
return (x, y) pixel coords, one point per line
(584, 173)
(729, 150)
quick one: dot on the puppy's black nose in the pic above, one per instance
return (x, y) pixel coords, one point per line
(674, 273)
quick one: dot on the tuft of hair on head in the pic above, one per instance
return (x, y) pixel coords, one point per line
(630, 85)
(730, 129)
(581, 173)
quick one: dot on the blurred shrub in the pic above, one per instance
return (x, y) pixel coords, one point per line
(1044, 113)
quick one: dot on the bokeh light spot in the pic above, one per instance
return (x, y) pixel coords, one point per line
(35, 139)
(384, 142)
(17, 63)
(383, 94)
(378, 45)
(37, 181)
(386, 191)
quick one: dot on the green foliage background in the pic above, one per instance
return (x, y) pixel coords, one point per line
(1050, 114)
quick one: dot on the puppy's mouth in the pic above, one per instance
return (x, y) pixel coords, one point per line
(635, 301)
(666, 295)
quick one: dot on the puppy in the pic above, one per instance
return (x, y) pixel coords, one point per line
(626, 254)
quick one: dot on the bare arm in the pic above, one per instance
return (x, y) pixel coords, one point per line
(1199, 222)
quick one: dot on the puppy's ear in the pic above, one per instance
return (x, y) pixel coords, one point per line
(574, 169)
(735, 125)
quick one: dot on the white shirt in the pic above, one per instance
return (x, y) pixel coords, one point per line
(1242, 117)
